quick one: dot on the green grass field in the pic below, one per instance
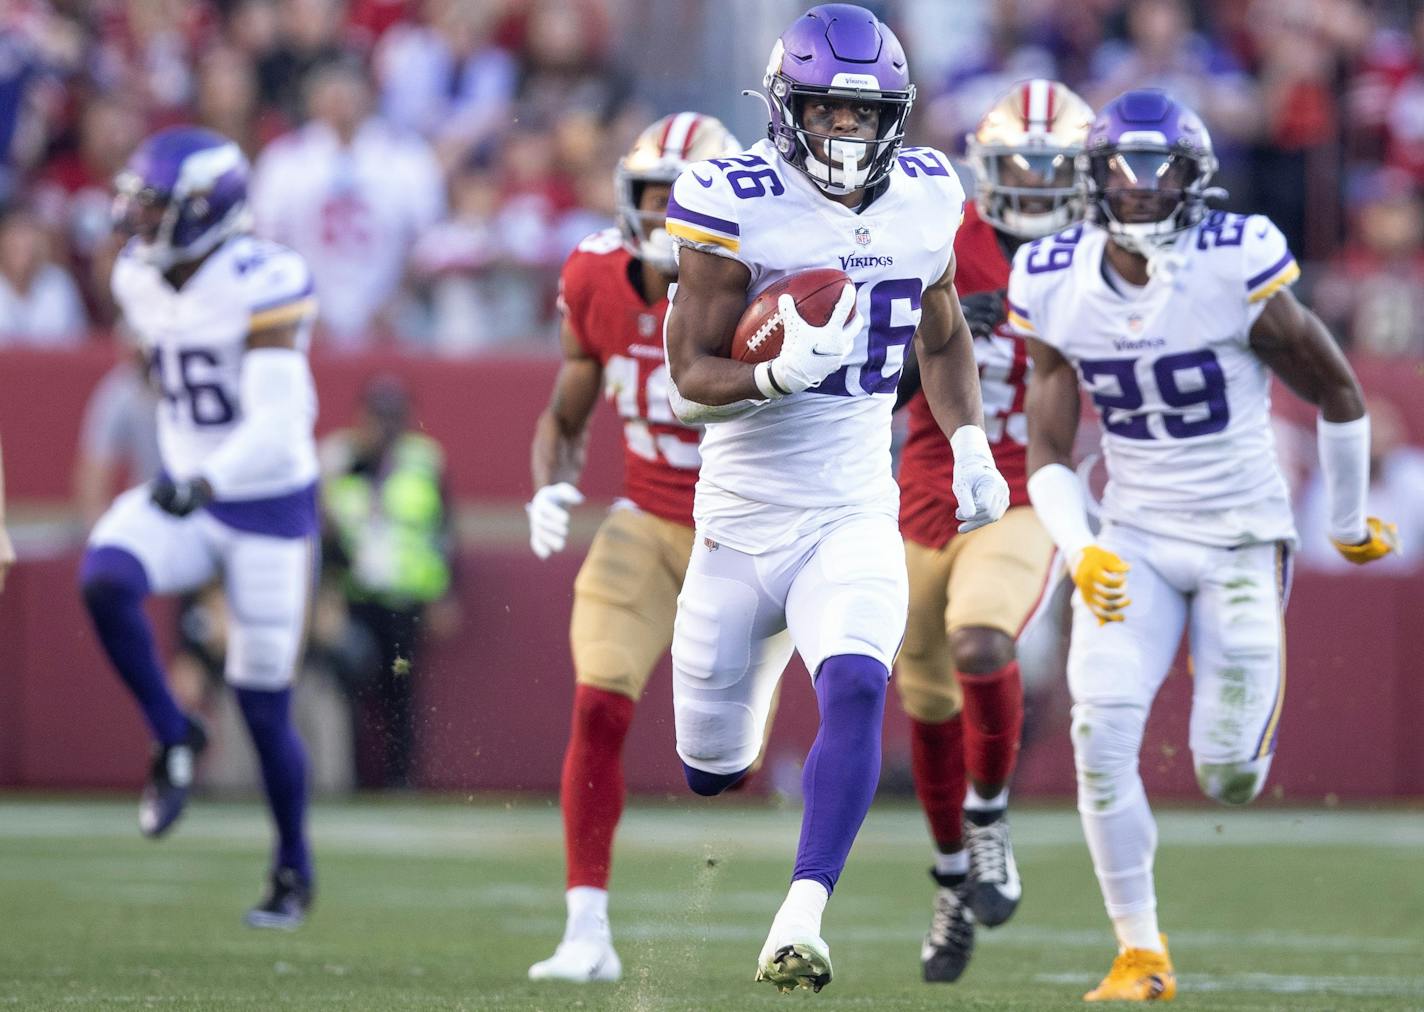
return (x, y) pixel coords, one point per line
(442, 905)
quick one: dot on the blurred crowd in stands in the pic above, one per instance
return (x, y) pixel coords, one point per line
(436, 159)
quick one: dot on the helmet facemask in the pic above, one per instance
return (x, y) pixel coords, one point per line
(1145, 196)
(837, 163)
(644, 232)
(1026, 193)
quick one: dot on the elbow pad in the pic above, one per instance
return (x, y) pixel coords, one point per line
(272, 448)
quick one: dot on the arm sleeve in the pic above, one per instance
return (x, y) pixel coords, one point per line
(278, 411)
(1345, 472)
(1267, 264)
(704, 216)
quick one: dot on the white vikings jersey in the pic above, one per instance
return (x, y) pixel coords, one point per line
(1185, 403)
(828, 447)
(195, 338)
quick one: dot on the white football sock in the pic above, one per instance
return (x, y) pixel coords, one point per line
(1138, 931)
(1123, 843)
(804, 904)
(976, 802)
(955, 863)
(588, 912)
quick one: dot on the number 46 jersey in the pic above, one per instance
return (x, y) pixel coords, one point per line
(1184, 401)
(827, 447)
(195, 338)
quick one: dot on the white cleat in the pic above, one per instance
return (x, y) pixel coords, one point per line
(580, 961)
(791, 960)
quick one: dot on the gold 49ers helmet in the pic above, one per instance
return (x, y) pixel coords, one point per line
(659, 155)
(1022, 153)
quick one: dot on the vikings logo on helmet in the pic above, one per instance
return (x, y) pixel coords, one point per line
(659, 155)
(1145, 170)
(1023, 153)
(182, 193)
(839, 51)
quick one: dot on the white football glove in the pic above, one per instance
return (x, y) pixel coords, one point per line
(549, 517)
(982, 493)
(808, 354)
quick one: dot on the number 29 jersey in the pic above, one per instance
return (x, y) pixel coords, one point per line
(195, 337)
(623, 333)
(827, 447)
(1184, 401)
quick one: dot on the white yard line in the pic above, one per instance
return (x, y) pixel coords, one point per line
(1272, 983)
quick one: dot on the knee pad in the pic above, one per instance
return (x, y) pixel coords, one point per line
(720, 736)
(107, 573)
(1237, 783)
(852, 679)
(1106, 743)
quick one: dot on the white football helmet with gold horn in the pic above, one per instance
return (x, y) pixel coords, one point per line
(659, 155)
(1023, 155)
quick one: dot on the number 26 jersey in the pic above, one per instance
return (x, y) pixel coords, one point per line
(827, 447)
(1184, 401)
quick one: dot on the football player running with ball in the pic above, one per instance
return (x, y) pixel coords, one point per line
(613, 295)
(1173, 317)
(797, 540)
(971, 595)
(225, 319)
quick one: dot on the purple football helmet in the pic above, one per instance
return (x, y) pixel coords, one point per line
(843, 52)
(183, 191)
(1145, 170)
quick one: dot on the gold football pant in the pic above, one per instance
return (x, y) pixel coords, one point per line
(625, 599)
(990, 578)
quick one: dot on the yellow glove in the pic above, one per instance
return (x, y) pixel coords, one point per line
(1383, 539)
(1101, 578)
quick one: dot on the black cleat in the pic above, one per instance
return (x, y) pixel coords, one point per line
(994, 885)
(170, 777)
(285, 906)
(950, 941)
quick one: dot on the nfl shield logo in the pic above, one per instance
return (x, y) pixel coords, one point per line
(647, 324)
(1134, 323)
(862, 236)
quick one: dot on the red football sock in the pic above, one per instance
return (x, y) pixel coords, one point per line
(993, 723)
(591, 788)
(937, 763)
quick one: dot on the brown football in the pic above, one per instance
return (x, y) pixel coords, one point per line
(759, 331)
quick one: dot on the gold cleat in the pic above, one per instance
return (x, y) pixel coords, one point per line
(1138, 975)
(802, 964)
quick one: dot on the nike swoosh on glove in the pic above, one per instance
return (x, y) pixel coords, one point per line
(549, 517)
(1382, 538)
(1101, 577)
(808, 354)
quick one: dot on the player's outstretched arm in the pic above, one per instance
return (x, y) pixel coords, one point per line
(556, 457)
(949, 376)
(1056, 493)
(710, 298)
(1295, 345)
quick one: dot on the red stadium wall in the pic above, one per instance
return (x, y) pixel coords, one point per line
(495, 699)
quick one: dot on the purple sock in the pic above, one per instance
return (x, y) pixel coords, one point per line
(114, 586)
(284, 771)
(843, 767)
(710, 784)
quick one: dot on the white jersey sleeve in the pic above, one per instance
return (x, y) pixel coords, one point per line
(1267, 265)
(702, 211)
(278, 289)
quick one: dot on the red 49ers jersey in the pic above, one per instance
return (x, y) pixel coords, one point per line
(927, 502)
(614, 325)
